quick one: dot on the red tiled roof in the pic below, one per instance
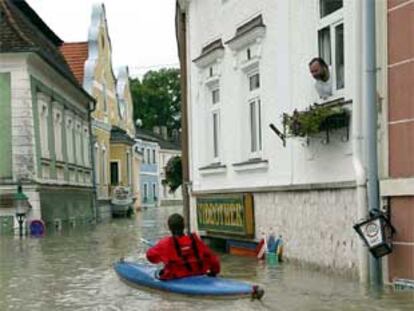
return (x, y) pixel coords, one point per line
(76, 54)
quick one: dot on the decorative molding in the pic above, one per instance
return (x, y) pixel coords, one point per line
(247, 34)
(213, 169)
(282, 188)
(98, 14)
(251, 164)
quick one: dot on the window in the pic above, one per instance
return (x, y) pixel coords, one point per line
(129, 167)
(86, 146)
(215, 124)
(254, 82)
(58, 135)
(114, 173)
(153, 156)
(78, 145)
(339, 56)
(215, 96)
(44, 125)
(255, 126)
(69, 139)
(154, 191)
(327, 7)
(215, 135)
(148, 156)
(248, 54)
(210, 72)
(331, 40)
(145, 192)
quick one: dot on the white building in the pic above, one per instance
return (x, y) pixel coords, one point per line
(168, 150)
(247, 65)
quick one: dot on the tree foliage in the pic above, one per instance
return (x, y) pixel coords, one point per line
(157, 99)
(173, 173)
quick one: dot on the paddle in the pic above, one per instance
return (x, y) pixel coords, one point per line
(147, 242)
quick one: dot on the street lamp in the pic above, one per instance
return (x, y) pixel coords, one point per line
(376, 232)
(22, 205)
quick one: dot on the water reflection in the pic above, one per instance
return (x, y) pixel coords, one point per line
(71, 270)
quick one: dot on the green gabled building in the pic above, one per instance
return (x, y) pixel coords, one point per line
(44, 122)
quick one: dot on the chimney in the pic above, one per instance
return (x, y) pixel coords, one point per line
(175, 135)
(164, 132)
(156, 130)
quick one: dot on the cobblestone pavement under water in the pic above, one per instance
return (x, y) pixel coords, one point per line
(71, 270)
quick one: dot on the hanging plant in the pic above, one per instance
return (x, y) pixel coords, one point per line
(315, 119)
(173, 174)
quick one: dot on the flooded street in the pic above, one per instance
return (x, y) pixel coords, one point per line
(71, 270)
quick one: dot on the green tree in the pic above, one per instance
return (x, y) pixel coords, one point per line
(173, 174)
(157, 99)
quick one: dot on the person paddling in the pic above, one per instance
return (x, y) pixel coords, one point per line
(182, 255)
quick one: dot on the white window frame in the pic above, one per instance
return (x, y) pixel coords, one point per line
(154, 190)
(78, 142)
(215, 131)
(86, 138)
(69, 139)
(43, 110)
(145, 190)
(254, 98)
(57, 128)
(256, 138)
(332, 21)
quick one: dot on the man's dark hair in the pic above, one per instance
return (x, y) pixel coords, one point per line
(320, 61)
(176, 224)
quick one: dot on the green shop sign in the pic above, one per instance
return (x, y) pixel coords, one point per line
(226, 214)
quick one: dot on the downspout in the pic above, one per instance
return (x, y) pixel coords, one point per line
(181, 35)
(370, 96)
(91, 109)
(357, 140)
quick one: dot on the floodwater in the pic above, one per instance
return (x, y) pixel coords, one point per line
(71, 270)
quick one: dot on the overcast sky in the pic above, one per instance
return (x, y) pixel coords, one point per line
(142, 31)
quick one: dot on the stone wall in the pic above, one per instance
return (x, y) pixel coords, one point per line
(316, 226)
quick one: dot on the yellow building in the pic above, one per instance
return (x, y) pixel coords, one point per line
(115, 161)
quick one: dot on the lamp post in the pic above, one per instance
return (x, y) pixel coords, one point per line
(22, 205)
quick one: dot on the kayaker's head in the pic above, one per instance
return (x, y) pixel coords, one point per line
(176, 224)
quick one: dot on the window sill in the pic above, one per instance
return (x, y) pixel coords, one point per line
(212, 82)
(251, 165)
(213, 169)
(250, 65)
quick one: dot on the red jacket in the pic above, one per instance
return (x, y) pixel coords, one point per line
(176, 266)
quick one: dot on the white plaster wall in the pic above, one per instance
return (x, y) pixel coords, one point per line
(289, 43)
(23, 139)
(315, 225)
(163, 157)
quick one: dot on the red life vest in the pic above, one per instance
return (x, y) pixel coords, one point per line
(183, 256)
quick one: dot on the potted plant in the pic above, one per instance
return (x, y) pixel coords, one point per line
(315, 119)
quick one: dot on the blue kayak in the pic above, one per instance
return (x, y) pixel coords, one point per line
(145, 275)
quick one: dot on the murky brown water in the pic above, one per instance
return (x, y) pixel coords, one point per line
(71, 270)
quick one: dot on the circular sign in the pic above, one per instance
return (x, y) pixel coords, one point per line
(372, 229)
(37, 227)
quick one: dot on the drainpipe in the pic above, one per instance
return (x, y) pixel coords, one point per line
(369, 99)
(181, 35)
(357, 139)
(91, 109)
